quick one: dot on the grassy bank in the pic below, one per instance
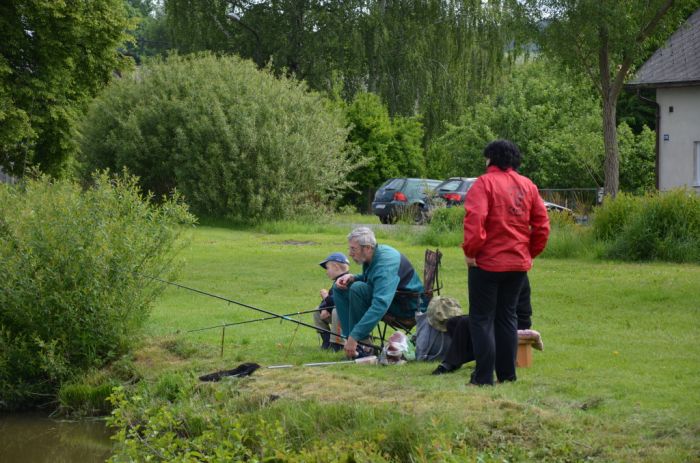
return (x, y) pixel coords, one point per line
(617, 380)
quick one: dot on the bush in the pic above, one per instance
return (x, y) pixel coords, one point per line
(568, 239)
(72, 294)
(236, 141)
(387, 147)
(664, 226)
(446, 227)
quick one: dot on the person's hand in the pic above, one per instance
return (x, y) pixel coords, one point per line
(344, 281)
(350, 347)
(471, 261)
(325, 315)
(323, 293)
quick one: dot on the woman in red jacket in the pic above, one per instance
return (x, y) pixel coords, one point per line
(505, 227)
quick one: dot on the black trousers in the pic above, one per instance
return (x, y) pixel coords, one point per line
(493, 297)
(461, 350)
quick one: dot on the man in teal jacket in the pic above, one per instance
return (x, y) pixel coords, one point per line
(364, 298)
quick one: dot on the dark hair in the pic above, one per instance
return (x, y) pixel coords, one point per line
(503, 154)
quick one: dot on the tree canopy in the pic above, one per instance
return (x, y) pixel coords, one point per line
(604, 40)
(54, 56)
(427, 57)
(236, 141)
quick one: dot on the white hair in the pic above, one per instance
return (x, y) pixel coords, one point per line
(364, 236)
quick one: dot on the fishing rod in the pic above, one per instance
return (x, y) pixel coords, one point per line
(225, 325)
(272, 314)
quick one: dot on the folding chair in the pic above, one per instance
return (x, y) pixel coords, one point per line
(431, 285)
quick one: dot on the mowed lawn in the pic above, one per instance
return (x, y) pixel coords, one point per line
(617, 381)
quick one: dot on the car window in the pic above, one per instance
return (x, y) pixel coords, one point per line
(450, 185)
(417, 188)
(393, 184)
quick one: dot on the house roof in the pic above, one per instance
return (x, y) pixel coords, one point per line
(677, 63)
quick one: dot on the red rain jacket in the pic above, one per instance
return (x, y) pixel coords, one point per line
(506, 223)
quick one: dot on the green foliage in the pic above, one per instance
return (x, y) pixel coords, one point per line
(389, 148)
(637, 159)
(611, 218)
(54, 57)
(663, 226)
(548, 114)
(236, 141)
(446, 228)
(151, 36)
(431, 57)
(604, 41)
(568, 239)
(210, 422)
(88, 395)
(70, 297)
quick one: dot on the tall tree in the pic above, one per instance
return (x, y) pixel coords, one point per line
(423, 57)
(605, 40)
(54, 56)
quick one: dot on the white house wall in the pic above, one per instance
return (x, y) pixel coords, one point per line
(679, 135)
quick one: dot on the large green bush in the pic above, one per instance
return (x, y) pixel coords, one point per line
(236, 141)
(71, 291)
(662, 226)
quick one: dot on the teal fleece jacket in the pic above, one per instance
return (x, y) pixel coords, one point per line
(384, 275)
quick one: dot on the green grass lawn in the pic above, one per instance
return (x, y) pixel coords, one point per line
(617, 381)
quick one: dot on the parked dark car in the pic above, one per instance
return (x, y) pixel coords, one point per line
(398, 196)
(454, 190)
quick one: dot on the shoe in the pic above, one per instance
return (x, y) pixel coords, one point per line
(443, 368)
(335, 347)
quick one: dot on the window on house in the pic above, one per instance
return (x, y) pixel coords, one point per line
(696, 165)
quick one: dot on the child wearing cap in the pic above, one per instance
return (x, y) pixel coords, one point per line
(325, 318)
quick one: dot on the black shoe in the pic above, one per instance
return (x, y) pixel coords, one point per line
(335, 347)
(444, 368)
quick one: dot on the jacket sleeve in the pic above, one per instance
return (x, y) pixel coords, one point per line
(384, 281)
(328, 302)
(539, 225)
(476, 208)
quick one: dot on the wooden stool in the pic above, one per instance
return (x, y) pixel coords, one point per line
(524, 358)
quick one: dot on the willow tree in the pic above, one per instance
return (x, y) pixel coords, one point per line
(435, 57)
(604, 40)
(423, 57)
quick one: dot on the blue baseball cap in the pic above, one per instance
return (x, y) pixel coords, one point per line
(335, 257)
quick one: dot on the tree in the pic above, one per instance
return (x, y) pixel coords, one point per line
(151, 36)
(54, 57)
(429, 58)
(605, 40)
(549, 114)
(236, 141)
(387, 148)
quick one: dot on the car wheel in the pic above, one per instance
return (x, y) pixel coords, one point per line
(384, 219)
(417, 214)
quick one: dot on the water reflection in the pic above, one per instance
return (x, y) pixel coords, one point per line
(34, 438)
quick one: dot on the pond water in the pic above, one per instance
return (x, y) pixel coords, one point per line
(34, 438)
